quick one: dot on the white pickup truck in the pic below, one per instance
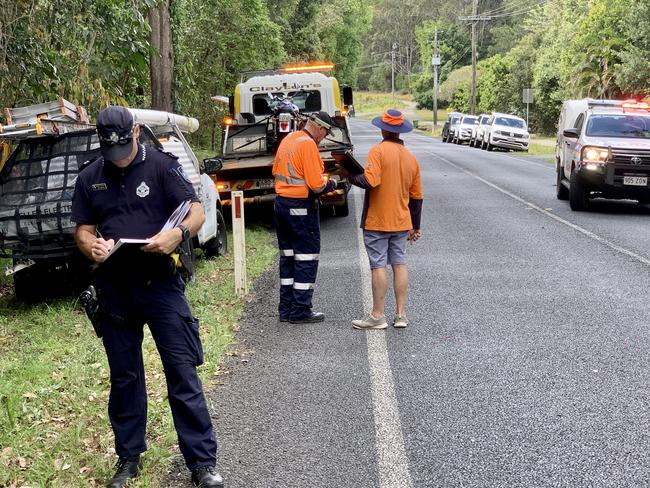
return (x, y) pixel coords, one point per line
(603, 150)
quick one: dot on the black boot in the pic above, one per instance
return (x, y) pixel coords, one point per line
(206, 477)
(126, 469)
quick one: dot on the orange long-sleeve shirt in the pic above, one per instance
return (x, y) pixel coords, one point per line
(298, 167)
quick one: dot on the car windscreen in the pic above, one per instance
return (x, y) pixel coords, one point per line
(305, 100)
(485, 119)
(454, 120)
(508, 122)
(469, 120)
(634, 126)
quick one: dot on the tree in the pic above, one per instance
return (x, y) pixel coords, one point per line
(161, 63)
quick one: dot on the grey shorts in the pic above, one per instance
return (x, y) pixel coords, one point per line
(385, 248)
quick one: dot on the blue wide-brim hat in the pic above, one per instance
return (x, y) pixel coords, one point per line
(393, 121)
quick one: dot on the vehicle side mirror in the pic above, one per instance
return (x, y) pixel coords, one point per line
(212, 165)
(571, 133)
(249, 117)
(348, 98)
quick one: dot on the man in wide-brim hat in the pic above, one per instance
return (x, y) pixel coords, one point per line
(391, 216)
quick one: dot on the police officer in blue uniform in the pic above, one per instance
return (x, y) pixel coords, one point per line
(130, 192)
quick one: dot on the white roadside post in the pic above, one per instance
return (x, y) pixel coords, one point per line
(239, 242)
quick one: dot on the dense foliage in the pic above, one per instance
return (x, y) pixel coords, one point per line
(97, 53)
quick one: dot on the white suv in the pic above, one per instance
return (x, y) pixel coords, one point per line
(603, 150)
(506, 131)
(463, 132)
(479, 130)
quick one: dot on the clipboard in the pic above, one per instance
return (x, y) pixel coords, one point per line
(347, 161)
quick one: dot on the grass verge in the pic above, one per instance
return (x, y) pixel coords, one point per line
(54, 382)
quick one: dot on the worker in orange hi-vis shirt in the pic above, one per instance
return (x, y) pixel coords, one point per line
(299, 181)
(391, 216)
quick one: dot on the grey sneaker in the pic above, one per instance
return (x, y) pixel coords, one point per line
(400, 321)
(370, 323)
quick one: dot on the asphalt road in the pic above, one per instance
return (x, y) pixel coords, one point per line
(525, 363)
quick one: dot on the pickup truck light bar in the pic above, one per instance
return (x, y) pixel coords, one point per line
(631, 103)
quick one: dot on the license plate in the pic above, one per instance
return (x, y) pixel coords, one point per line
(265, 183)
(635, 180)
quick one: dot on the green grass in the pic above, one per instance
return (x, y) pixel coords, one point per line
(370, 104)
(54, 430)
(542, 146)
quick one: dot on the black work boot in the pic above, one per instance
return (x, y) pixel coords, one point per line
(310, 319)
(126, 469)
(206, 477)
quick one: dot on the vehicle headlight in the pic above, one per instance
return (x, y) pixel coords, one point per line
(592, 154)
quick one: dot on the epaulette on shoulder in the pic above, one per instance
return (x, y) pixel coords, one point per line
(99, 160)
(171, 155)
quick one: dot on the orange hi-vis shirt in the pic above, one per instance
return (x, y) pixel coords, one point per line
(394, 174)
(298, 167)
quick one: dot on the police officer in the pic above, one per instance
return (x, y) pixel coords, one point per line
(130, 192)
(299, 181)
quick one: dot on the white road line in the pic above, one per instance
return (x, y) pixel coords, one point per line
(391, 454)
(576, 227)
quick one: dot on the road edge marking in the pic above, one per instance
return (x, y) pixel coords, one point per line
(391, 454)
(539, 209)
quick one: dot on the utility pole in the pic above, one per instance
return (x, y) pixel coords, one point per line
(474, 19)
(392, 71)
(435, 62)
(472, 103)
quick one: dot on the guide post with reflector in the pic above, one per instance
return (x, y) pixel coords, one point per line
(239, 243)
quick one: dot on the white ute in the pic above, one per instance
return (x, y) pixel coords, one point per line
(506, 131)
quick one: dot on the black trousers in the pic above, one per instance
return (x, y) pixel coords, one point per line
(162, 305)
(297, 226)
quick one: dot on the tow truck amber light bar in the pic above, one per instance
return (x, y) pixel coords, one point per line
(311, 67)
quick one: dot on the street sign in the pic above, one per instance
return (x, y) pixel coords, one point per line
(435, 60)
(528, 95)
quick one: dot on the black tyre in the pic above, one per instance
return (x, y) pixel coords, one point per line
(561, 191)
(342, 210)
(578, 193)
(218, 246)
(488, 146)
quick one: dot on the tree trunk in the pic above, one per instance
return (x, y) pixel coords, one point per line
(161, 64)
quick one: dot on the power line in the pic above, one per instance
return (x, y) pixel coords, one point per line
(503, 8)
(519, 12)
(514, 10)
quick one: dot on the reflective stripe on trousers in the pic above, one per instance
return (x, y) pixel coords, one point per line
(298, 231)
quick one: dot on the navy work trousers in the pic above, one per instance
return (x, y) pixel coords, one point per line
(298, 229)
(162, 305)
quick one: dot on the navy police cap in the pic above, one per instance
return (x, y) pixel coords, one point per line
(115, 130)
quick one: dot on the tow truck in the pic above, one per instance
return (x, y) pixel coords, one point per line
(265, 107)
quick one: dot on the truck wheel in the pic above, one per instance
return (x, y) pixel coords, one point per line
(218, 245)
(578, 194)
(342, 210)
(561, 191)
